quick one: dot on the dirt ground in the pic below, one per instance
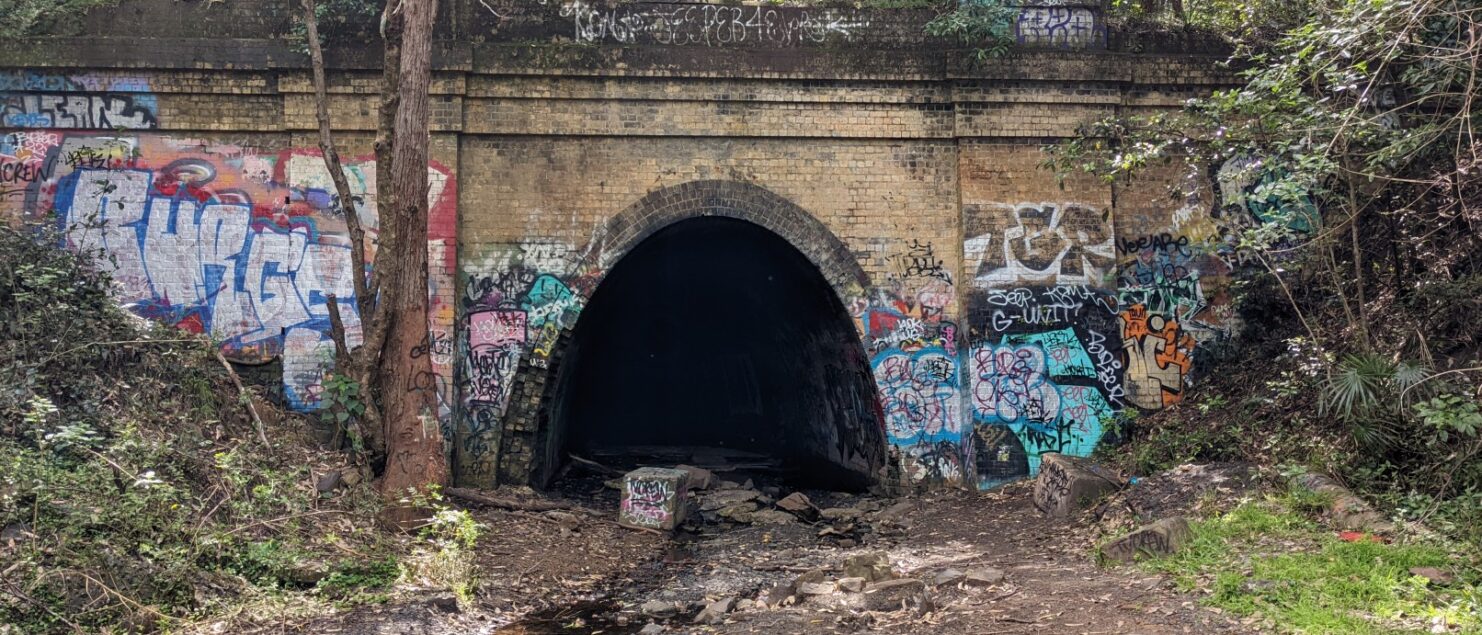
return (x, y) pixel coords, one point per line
(579, 572)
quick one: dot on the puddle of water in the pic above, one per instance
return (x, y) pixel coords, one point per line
(582, 618)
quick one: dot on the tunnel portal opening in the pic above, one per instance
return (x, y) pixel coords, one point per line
(714, 342)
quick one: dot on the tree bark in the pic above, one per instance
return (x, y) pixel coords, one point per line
(408, 385)
(352, 364)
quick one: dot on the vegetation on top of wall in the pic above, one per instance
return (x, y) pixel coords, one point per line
(20, 18)
(1348, 180)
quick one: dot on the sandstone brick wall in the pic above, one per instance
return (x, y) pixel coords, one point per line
(1001, 313)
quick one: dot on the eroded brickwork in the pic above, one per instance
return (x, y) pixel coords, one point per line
(1000, 313)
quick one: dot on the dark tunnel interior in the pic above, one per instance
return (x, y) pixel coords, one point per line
(712, 338)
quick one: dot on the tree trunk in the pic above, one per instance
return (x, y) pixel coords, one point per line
(348, 363)
(408, 385)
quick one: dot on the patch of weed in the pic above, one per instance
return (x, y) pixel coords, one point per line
(1266, 559)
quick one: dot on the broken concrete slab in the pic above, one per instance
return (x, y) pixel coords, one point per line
(1067, 484)
(715, 612)
(799, 505)
(1158, 539)
(727, 497)
(653, 498)
(696, 477)
(983, 576)
(892, 595)
(772, 517)
(947, 576)
(826, 587)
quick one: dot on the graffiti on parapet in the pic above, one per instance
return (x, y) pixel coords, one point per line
(212, 238)
(711, 24)
(1060, 27)
(34, 100)
(1043, 243)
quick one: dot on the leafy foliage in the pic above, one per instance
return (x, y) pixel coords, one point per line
(1348, 172)
(984, 25)
(20, 18)
(132, 493)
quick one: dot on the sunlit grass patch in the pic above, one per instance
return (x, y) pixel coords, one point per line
(1265, 560)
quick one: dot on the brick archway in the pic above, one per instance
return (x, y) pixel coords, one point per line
(529, 444)
(733, 199)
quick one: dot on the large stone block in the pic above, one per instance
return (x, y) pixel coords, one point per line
(1066, 484)
(653, 498)
(1161, 538)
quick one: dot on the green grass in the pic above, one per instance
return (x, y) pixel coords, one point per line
(1266, 560)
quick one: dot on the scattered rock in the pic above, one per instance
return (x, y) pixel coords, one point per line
(851, 585)
(740, 512)
(776, 595)
(15, 532)
(727, 497)
(799, 505)
(659, 609)
(327, 482)
(1066, 484)
(306, 573)
(840, 513)
(747, 605)
(983, 576)
(872, 567)
(808, 577)
(1436, 576)
(696, 477)
(445, 602)
(947, 576)
(651, 629)
(772, 517)
(891, 595)
(1347, 511)
(818, 588)
(1159, 539)
(715, 612)
(897, 511)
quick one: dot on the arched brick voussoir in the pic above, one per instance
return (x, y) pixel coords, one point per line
(733, 199)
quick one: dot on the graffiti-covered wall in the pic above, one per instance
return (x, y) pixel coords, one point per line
(999, 313)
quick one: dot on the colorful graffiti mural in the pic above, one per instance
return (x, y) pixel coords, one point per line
(913, 351)
(243, 244)
(1042, 243)
(78, 102)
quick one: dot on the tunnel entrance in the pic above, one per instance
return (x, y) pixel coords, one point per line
(715, 342)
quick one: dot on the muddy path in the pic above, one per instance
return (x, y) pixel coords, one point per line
(587, 575)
